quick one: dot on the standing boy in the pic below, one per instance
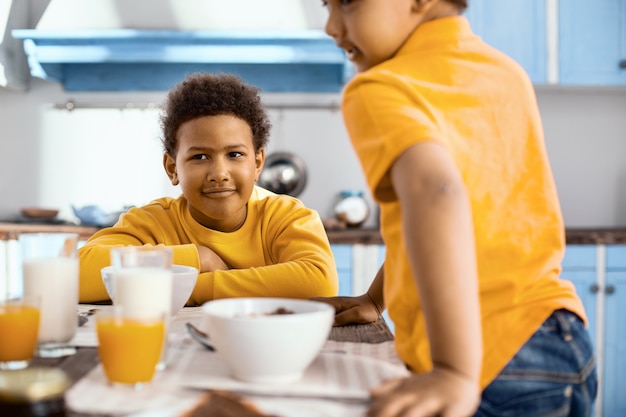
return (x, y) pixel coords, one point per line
(450, 139)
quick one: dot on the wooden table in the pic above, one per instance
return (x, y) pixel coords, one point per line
(86, 358)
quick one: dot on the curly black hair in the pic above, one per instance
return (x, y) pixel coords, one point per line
(203, 94)
(461, 4)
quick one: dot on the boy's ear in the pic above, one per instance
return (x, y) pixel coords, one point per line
(259, 158)
(169, 163)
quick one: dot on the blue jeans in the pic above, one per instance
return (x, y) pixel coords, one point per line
(552, 375)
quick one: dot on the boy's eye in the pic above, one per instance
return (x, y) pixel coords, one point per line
(341, 2)
(199, 156)
(235, 154)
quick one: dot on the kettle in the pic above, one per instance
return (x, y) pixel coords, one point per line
(93, 215)
(352, 209)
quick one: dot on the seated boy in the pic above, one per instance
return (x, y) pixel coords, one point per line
(245, 241)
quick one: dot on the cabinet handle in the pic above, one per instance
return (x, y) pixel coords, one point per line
(622, 64)
(610, 289)
(594, 288)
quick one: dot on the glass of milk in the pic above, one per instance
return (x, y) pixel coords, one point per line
(142, 283)
(50, 272)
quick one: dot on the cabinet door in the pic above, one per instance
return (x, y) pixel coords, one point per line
(515, 27)
(614, 380)
(579, 267)
(592, 42)
(615, 345)
(343, 260)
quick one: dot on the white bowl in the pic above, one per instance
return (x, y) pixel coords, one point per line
(261, 347)
(185, 278)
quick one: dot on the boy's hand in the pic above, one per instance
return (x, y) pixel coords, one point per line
(209, 260)
(440, 392)
(350, 310)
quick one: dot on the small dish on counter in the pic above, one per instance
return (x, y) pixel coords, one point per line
(39, 213)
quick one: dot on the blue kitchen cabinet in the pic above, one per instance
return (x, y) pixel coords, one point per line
(580, 267)
(614, 401)
(592, 42)
(599, 274)
(343, 260)
(515, 27)
(356, 266)
(570, 42)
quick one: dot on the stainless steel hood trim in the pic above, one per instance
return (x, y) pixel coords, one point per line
(154, 60)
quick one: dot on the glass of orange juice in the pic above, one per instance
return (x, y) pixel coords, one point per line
(19, 328)
(129, 346)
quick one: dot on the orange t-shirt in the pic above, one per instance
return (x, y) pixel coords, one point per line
(446, 85)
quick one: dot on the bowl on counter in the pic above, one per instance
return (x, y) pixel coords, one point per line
(39, 213)
(267, 340)
(184, 280)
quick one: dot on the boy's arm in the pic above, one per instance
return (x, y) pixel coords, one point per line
(364, 308)
(438, 231)
(293, 259)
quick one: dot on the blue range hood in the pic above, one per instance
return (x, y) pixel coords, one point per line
(155, 60)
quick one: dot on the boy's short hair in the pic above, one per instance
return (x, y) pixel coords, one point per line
(460, 4)
(204, 94)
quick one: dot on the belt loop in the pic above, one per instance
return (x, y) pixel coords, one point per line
(564, 323)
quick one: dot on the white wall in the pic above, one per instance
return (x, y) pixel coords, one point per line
(58, 158)
(586, 141)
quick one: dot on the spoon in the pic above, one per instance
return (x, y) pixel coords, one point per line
(200, 336)
(83, 317)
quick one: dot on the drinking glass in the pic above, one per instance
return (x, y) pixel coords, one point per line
(50, 273)
(129, 346)
(19, 326)
(142, 283)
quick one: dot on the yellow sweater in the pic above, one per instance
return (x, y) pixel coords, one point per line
(448, 86)
(282, 249)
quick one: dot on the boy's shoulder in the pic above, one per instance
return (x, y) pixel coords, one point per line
(160, 205)
(268, 198)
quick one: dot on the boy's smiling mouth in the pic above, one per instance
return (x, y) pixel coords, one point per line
(219, 192)
(351, 53)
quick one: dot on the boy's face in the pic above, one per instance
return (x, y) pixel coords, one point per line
(216, 167)
(372, 31)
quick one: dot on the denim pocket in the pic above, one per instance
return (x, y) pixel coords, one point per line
(526, 398)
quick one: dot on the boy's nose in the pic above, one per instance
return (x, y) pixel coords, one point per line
(218, 172)
(333, 24)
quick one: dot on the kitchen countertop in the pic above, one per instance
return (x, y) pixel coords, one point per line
(577, 236)
(10, 231)
(348, 236)
(604, 236)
